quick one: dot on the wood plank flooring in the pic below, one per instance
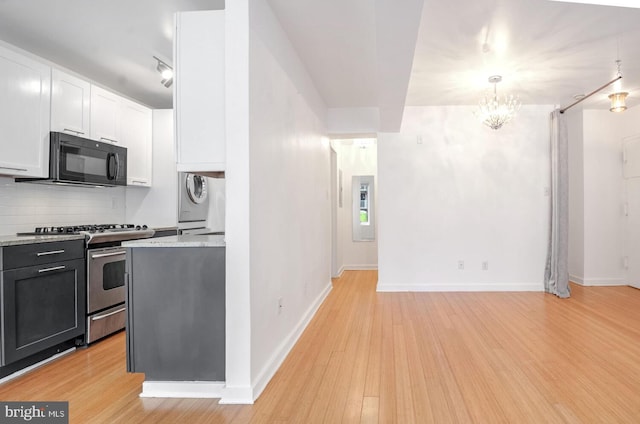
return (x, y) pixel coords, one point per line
(372, 357)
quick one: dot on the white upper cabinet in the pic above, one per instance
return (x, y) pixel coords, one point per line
(136, 127)
(70, 104)
(199, 93)
(105, 115)
(25, 99)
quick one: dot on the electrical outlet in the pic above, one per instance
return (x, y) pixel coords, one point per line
(485, 265)
(460, 265)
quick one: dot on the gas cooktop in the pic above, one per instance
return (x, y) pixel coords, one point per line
(97, 233)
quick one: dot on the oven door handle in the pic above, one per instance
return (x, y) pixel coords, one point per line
(105, 255)
(109, 314)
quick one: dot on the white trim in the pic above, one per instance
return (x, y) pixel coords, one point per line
(36, 365)
(182, 389)
(365, 267)
(340, 271)
(596, 282)
(287, 344)
(237, 395)
(507, 287)
(576, 279)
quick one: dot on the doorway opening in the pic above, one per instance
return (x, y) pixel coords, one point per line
(354, 175)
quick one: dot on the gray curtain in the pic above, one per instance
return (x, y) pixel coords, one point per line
(556, 276)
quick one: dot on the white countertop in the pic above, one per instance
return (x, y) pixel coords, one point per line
(191, 240)
(13, 240)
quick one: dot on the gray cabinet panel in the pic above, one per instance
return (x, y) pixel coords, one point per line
(176, 313)
(43, 296)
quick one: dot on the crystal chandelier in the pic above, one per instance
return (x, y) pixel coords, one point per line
(496, 111)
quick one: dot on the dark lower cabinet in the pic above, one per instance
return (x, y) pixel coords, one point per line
(42, 305)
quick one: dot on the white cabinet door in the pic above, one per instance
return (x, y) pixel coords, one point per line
(136, 126)
(199, 96)
(105, 115)
(25, 98)
(70, 104)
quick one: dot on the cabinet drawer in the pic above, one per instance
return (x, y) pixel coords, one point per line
(40, 253)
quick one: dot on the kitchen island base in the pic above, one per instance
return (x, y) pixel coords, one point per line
(176, 312)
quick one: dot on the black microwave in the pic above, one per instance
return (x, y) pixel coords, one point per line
(77, 160)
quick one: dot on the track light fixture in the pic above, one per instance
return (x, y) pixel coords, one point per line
(166, 71)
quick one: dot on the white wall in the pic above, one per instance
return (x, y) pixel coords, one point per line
(632, 197)
(354, 160)
(451, 189)
(217, 194)
(157, 206)
(24, 206)
(289, 195)
(238, 388)
(574, 119)
(601, 235)
(603, 198)
(630, 128)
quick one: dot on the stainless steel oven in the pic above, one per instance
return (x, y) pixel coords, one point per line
(105, 291)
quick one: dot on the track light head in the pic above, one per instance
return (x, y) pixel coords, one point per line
(165, 71)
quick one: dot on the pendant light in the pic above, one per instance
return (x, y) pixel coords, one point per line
(618, 99)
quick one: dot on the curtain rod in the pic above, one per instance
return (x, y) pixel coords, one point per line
(590, 94)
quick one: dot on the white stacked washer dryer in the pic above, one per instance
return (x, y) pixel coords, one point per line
(193, 203)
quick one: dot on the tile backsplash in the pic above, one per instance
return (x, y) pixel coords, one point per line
(24, 206)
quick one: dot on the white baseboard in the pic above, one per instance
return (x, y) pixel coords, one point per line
(36, 365)
(285, 347)
(237, 395)
(597, 282)
(576, 279)
(339, 274)
(182, 389)
(508, 287)
(355, 268)
(366, 267)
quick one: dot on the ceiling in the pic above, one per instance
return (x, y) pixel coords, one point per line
(361, 53)
(111, 42)
(546, 51)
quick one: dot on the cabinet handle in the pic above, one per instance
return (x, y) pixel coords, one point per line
(109, 314)
(13, 169)
(108, 139)
(72, 131)
(54, 268)
(51, 252)
(104, 255)
(138, 182)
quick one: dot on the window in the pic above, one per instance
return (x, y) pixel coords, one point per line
(363, 228)
(364, 204)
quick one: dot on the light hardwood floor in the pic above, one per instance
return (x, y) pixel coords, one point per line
(402, 358)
